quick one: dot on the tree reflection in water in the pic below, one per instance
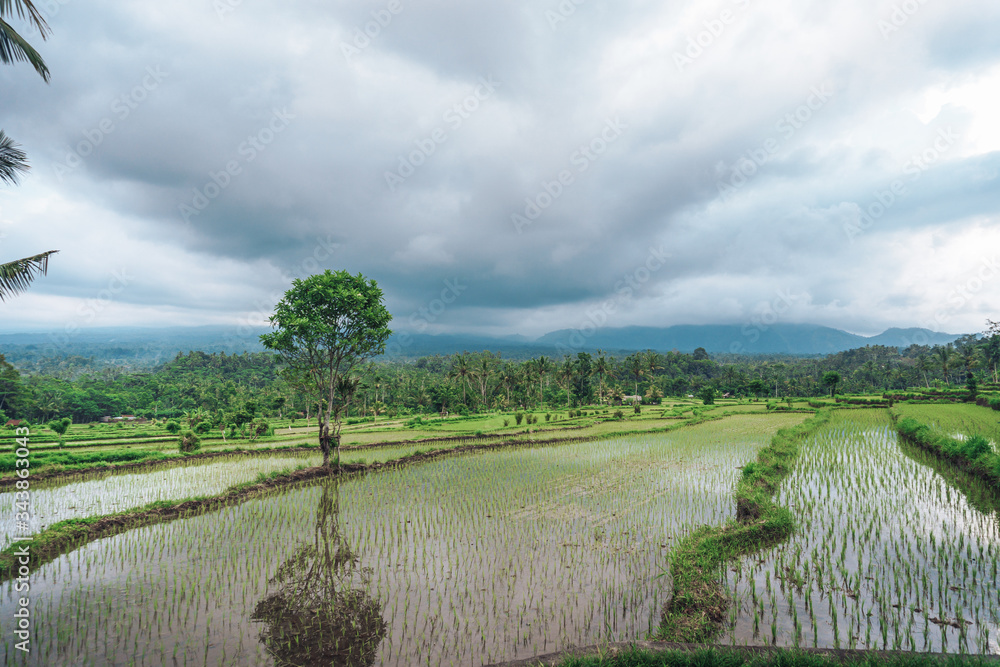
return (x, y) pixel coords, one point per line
(320, 612)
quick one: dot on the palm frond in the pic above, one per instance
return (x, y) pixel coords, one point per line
(25, 9)
(17, 275)
(13, 161)
(13, 47)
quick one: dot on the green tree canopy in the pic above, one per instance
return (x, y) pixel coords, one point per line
(325, 326)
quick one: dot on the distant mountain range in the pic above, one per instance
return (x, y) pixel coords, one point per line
(136, 347)
(721, 338)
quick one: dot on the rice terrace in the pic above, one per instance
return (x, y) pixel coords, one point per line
(526, 333)
(867, 521)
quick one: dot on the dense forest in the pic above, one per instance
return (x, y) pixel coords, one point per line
(237, 388)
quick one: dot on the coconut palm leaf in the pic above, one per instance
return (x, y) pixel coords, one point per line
(17, 275)
(13, 47)
(13, 161)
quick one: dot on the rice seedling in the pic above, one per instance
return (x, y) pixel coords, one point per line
(108, 493)
(467, 559)
(897, 555)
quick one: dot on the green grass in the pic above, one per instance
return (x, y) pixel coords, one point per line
(973, 453)
(698, 605)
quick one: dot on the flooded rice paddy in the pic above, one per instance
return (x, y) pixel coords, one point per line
(461, 561)
(95, 494)
(893, 551)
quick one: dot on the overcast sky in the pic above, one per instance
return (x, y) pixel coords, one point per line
(511, 166)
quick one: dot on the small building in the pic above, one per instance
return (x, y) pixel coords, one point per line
(14, 422)
(631, 400)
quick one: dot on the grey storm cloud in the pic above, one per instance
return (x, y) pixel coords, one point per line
(537, 152)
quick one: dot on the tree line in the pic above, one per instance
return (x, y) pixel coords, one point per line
(239, 388)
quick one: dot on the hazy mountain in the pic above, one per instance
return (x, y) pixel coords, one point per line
(138, 348)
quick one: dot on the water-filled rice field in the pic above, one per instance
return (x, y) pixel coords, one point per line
(96, 494)
(893, 551)
(464, 560)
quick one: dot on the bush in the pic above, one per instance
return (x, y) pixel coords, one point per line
(637, 409)
(548, 417)
(518, 417)
(974, 446)
(202, 428)
(172, 426)
(619, 414)
(189, 442)
(506, 423)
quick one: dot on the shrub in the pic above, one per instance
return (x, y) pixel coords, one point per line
(548, 417)
(202, 428)
(518, 417)
(637, 409)
(189, 442)
(172, 426)
(974, 446)
(506, 423)
(619, 414)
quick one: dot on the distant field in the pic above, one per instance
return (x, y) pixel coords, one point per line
(958, 418)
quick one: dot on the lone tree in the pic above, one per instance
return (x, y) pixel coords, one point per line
(831, 379)
(326, 325)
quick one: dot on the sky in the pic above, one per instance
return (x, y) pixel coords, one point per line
(511, 167)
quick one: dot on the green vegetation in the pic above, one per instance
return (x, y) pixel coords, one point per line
(326, 325)
(444, 542)
(736, 657)
(972, 452)
(697, 607)
(887, 554)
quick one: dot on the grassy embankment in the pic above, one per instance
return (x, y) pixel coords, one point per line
(697, 607)
(972, 452)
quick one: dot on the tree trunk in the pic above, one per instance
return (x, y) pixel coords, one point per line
(324, 443)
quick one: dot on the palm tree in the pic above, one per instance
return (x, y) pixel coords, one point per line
(601, 369)
(565, 374)
(13, 47)
(635, 367)
(542, 366)
(925, 364)
(17, 275)
(462, 370)
(945, 354)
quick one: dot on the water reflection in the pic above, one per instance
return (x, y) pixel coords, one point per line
(319, 611)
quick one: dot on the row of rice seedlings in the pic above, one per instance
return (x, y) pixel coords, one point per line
(887, 554)
(955, 419)
(108, 493)
(471, 559)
